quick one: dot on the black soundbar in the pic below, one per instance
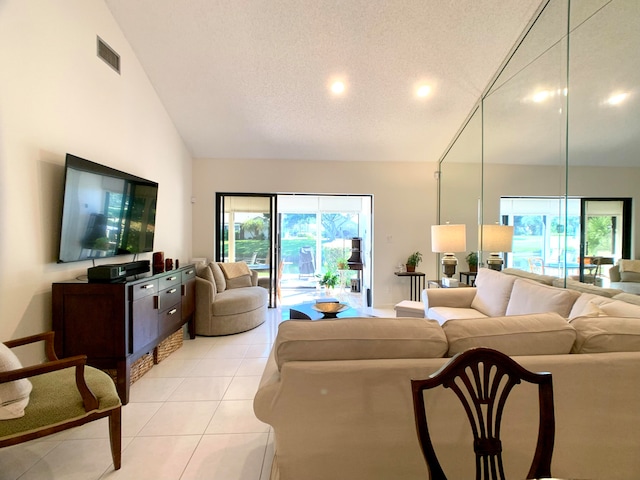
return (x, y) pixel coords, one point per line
(117, 272)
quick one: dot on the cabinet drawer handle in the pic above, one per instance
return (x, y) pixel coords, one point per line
(172, 311)
(189, 272)
(147, 287)
(173, 290)
(171, 279)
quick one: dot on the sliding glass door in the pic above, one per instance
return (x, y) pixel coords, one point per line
(246, 232)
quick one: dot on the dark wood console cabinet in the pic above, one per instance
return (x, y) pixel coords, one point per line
(114, 324)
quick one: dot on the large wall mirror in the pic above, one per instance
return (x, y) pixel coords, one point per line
(552, 147)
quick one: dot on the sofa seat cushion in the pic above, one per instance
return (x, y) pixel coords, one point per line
(606, 334)
(493, 290)
(535, 334)
(442, 314)
(531, 297)
(239, 300)
(358, 338)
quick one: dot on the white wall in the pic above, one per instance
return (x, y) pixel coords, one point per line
(57, 96)
(404, 204)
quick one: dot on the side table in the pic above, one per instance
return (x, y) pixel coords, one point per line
(417, 283)
(470, 278)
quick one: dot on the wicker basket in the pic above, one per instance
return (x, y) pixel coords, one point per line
(168, 346)
(137, 370)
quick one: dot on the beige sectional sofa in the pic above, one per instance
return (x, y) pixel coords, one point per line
(228, 299)
(337, 393)
(518, 293)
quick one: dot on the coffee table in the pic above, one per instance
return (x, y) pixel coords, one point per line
(305, 311)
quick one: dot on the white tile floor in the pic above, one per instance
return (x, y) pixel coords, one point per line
(190, 417)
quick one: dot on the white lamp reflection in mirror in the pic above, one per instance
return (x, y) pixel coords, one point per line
(448, 239)
(496, 239)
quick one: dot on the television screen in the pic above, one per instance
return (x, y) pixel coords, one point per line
(105, 212)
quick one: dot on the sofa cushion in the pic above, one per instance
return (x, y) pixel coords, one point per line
(583, 304)
(358, 338)
(585, 287)
(239, 300)
(544, 279)
(629, 265)
(493, 290)
(617, 308)
(630, 277)
(628, 297)
(606, 334)
(442, 314)
(14, 396)
(532, 297)
(205, 272)
(218, 275)
(535, 334)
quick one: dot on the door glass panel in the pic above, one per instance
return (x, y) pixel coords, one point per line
(245, 234)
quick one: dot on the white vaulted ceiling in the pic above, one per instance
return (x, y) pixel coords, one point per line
(250, 78)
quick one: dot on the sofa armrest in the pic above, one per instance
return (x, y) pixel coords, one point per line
(460, 297)
(205, 296)
(254, 278)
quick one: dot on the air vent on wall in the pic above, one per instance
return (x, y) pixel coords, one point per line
(106, 53)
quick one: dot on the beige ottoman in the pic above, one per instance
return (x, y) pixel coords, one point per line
(409, 308)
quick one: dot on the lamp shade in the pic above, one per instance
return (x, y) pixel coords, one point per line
(496, 238)
(448, 238)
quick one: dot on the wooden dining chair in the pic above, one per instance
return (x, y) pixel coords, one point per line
(482, 379)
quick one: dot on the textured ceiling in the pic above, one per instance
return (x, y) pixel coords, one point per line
(249, 79)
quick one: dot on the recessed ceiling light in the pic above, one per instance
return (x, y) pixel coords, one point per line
(541, 96)
(423, 91)
(617, 99)
(338, 87)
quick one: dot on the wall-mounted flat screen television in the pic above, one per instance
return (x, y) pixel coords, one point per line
(105, 212)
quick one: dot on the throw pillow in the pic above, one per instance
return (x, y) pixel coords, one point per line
(606, 334)
(238, 282)
(531, 297)
(536, 334)
(14, 396)
(493, 290)
(221, 282)
(204, 272)
(581, 306)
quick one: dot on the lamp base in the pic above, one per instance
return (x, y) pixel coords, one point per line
(449, 263)
(495, 262)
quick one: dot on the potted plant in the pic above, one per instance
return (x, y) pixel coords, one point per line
(330, 279)
(472, 261)
(343, 264)
(413, 261)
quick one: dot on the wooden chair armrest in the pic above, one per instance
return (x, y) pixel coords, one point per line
(46, 337)
(89, 400)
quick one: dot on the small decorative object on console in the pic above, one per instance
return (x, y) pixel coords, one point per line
(158, 262)
(168, 264)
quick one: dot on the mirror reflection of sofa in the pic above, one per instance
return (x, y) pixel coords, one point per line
(625, 275)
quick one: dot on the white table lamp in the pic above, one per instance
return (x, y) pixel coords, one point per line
(496, 239)
(447, 239)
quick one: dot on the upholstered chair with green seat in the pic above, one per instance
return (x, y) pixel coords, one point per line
(55, 395)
